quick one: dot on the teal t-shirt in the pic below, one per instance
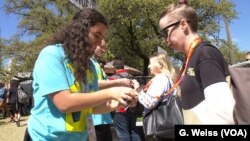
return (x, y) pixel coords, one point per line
(46, 122)
(106, 117)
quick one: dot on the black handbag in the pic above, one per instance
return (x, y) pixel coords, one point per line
(159, 123)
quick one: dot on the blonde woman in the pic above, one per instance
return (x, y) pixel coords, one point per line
(164, 73)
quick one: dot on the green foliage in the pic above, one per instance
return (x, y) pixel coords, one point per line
(39, 18)
(133, 32)
(239, 56)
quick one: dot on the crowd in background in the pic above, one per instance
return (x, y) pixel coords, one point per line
(10, 106)
(71, 95)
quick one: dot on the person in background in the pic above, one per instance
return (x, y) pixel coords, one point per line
(26, 86)
(13, 104)
(3, 92)
(248, 56)
(209, 101)
(103, 81)
(103, 122)
(3, 97)
(65, 87)
(124, 119)
(164, 75)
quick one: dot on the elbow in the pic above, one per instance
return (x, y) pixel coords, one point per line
(64, 108)
(62, 101)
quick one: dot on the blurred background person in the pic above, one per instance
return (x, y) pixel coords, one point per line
(13, 104)
(103, 122)
(164, 75)
(3, 97)
(162, 81)
(124, 119)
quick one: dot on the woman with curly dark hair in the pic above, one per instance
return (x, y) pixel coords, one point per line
(65, 84)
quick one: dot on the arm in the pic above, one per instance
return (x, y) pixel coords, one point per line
(67, 102)
(218, 96)
(159, 85)
(220, 101)
(109, 106)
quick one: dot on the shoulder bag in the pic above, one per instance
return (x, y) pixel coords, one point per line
(159, 122)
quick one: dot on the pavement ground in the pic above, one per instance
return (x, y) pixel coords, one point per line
(10, 132)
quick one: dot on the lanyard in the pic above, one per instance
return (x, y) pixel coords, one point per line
(182, 73)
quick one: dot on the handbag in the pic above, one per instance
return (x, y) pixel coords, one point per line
(159, 122)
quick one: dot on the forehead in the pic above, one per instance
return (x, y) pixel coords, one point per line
(164, 21)
(99, 27)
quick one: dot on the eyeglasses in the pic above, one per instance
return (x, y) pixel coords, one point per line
(165, 29)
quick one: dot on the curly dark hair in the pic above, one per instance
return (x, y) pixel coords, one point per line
(75, 40)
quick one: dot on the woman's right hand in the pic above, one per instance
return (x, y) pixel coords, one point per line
(124, 95)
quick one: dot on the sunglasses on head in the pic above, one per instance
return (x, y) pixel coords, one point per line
(165, 29)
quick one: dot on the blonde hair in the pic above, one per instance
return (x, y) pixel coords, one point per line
(161, 60)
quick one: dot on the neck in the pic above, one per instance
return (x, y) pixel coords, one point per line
(190, 41)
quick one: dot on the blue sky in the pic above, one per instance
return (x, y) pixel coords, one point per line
(240, 31)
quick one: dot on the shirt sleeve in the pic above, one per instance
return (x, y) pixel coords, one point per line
(160, 85)
(50, 73)
(211, 67)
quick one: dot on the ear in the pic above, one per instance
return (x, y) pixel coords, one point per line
(184, 24)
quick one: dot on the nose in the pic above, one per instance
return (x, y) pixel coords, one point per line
(101, 43)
